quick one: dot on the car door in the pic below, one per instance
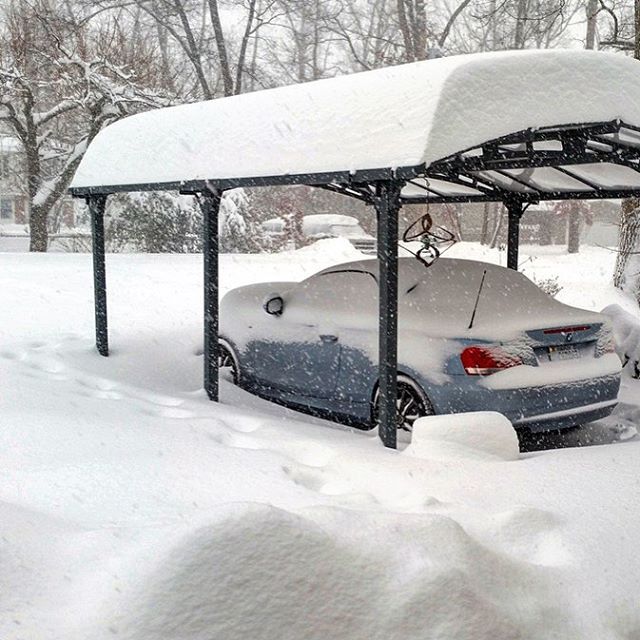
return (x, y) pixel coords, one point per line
(303, 355)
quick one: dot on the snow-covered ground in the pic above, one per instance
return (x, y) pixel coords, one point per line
(131, 507)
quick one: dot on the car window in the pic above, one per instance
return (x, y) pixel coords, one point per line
(339, 296)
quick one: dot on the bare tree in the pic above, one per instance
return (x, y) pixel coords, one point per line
(515, 24)
(193, 30)
(57, 90)
(622, 32)
(302, 45)
(367, 35)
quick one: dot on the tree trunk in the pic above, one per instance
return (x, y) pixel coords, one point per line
(636, 49)
(499, 212)
(519, 37)
(592, 16)
(406, 31)
(243, 46)
(221, 45)
(573, 232)
(627, 272)
(39, 236)
(485, 223)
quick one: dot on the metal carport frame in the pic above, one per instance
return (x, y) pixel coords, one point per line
(590, 160)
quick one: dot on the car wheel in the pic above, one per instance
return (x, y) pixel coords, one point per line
(411, 404)
(227, 362)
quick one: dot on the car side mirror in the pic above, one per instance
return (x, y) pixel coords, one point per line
(274, 306)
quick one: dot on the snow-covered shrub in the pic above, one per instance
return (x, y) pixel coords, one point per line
(167, 222)
(231, 223)
(626, 331)
(154, 223)
(239, 229)
(550, 286)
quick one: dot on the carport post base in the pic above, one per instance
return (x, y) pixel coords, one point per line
(97, 206)
(514, 210)
(210, 205)
(387, 204)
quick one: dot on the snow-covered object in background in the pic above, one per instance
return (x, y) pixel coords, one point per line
(479, 435)
(626, 331)
(387, 118)
(323, 225)
(320, 226)
(320, 223)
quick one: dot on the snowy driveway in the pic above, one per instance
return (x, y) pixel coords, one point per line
(131, 507)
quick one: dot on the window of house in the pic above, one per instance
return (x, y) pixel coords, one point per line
(6, 209)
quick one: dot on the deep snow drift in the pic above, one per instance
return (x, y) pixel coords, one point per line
(131, 507)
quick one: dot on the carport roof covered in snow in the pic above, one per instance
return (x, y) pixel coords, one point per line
(515, 127)
(535, 124)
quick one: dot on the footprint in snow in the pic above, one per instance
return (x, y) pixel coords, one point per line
(531, 534)
(46, 364)
(99, 384)
(312, 480)
(154, 398)
(246, 424)
(170, 412)
(12, 355)
(318, 481)
(235, 440)
(309, 454)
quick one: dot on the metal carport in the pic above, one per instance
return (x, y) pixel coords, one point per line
(471, 128)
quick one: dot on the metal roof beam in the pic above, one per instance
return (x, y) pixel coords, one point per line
(584, 181)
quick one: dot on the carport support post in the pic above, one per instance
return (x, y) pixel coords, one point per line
(97, 206)
(387, 204)
(210, 205)
(514, 211)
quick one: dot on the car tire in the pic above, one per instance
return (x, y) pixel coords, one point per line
(412, 403)
(228, 360)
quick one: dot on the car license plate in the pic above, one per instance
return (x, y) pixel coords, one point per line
(563, 352)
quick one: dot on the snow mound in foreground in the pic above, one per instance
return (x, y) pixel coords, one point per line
(261, 572)
(480, 434)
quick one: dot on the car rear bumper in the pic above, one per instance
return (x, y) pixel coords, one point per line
(539, 408)
(567, 417)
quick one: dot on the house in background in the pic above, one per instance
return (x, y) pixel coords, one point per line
(14, 204)
(13, 201)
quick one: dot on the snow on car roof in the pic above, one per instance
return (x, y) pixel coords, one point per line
(400, 116)
(443, 296)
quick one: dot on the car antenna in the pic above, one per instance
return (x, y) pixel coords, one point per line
(475, 306)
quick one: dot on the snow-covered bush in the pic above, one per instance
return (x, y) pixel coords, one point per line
(626, 331)
(167, 222)
(154, 223)
(550, 286)
(237, 225)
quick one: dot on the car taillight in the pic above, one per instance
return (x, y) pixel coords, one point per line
(482, 361)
